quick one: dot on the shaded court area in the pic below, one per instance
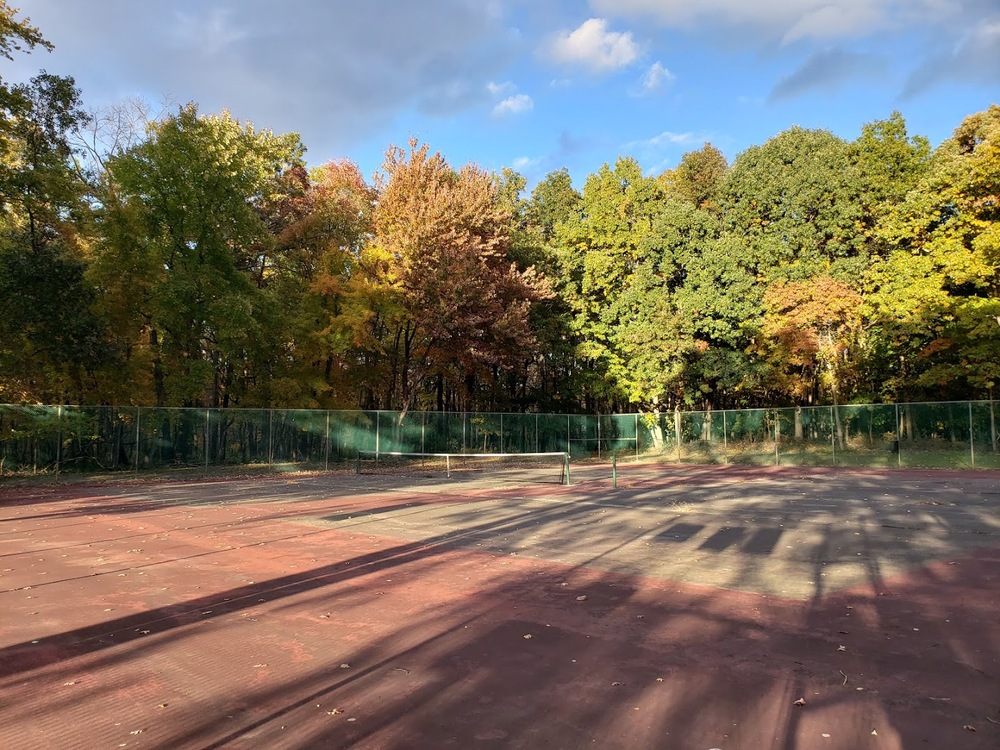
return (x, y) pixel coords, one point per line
(694, 607)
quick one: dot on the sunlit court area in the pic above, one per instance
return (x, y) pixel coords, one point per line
(406, 606)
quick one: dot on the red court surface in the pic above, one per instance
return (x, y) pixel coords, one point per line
(688, 608)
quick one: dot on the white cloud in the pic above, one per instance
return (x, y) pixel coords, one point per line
(656, 78)
(514, 105)
(524, 162)
(335, 72)
(592, 45)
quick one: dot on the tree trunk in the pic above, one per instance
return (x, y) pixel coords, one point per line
(159, 388)
(836, 419)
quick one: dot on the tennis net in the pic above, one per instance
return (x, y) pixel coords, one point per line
(552, 467)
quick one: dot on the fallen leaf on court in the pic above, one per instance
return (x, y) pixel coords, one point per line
(527, 636)
(335, 711)
(615, 684)
(258, 666)
(70, 683)
(874, 733)
(581, 598)
(842, 648)
(969, 727)
(659, 679)
(163, 705)
(825, 735)
(800, 702)
(345, 665)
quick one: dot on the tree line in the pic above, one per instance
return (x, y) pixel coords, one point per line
(189, 259)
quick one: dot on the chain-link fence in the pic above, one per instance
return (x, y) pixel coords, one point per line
(54, 439)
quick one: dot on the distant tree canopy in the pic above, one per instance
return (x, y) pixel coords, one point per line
(190, 259)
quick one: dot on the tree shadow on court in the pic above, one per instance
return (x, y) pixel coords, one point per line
(613, 659)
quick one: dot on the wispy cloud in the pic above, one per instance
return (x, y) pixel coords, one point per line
(666, 138)
(656, 78)
(524, 162)
(500, 89)
(788, 20)
(592, 45)
(974, 59)
(514, 105)
(827, 70)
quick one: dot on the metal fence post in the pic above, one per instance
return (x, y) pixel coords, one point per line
(972, 439)
(777, 436)
(501, 432)
(138, 417)
(536, 432)
(270, 437)
(58, 437)
(326, 458)
(636, 437)
(725, 439)
(833, 435)
(206, 438)
(598, 436)
(899, 440)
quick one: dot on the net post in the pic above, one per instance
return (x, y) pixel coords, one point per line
(614, 470)
(357, 464)
(566, 468)
(447, 466)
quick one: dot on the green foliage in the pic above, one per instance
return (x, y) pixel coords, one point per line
(202, 264)
(186, 223)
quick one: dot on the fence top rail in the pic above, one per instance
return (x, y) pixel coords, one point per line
(545, 454)
(395, 413)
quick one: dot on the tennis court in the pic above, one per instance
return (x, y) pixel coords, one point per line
(688, 607)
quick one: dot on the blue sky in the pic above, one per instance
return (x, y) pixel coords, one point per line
(535, 85)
